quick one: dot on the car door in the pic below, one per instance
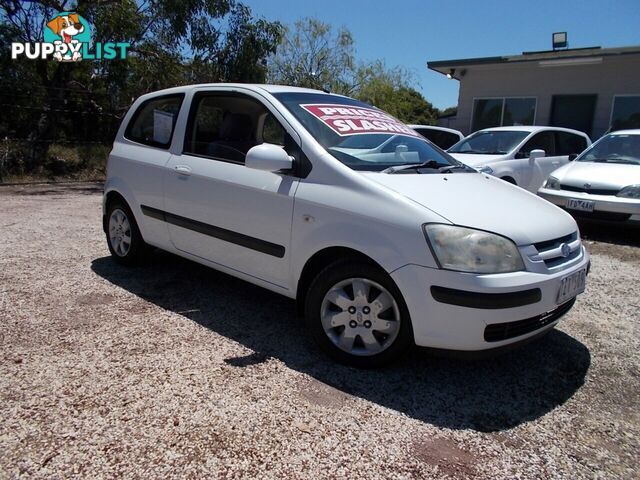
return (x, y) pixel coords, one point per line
(535, 171)
(139, 159)
(218, 209)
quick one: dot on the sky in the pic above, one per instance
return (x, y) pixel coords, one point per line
(409, 33)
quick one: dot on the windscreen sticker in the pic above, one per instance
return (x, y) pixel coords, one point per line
(349, 120)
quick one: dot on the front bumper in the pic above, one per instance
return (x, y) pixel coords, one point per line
(602, 203)
(515, 306)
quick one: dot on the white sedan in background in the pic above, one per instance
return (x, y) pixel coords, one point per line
(603, 182)
(522, 155)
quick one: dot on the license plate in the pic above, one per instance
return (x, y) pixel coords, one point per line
(582, 205)
(572, 285)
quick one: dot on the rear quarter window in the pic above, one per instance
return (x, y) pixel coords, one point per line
(154, 121)
(441, 138)
(568, 143)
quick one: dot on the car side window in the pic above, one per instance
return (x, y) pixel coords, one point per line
(568, 143)
(154, 121)
(226, 126)
(540, 141)
(445, 139)
(436, 137)
(272, 130)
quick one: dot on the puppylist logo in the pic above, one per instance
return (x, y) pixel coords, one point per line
(67, 38)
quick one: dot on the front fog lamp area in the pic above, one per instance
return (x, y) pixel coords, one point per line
(474, 251)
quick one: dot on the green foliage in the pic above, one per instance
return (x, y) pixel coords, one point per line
(173, 42)
(391, 91)
(315, 55)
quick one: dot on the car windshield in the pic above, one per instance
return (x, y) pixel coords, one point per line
(492, 142)
(614, 148)
(364, 137)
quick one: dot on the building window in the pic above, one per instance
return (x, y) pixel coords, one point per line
(625, 112)
(496, 112)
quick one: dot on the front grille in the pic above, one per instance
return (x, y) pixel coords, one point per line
(555, 243)
(503, 331)
(549, 250)
(592, 191)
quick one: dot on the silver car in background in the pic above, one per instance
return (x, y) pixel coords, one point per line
(603, 182)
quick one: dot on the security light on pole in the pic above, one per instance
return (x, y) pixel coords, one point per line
(559, 40)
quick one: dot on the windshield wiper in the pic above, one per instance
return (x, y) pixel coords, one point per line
(398, 168)
(481, 152)
(625, 161)
(451, 168)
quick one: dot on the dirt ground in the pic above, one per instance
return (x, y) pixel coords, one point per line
(175, 370)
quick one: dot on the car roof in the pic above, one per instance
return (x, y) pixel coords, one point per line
(249, 86)
(531, 129)
(434, 127)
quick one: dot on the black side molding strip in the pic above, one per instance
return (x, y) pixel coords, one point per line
(488, 301)
(230, 236)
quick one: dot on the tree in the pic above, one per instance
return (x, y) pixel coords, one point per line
(315, 55)
(172, 42)
(391, 91)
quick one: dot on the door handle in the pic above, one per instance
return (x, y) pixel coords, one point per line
(182, 169)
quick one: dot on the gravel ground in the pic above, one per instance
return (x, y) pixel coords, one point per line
(175, 370)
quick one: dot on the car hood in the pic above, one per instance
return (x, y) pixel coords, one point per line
(598, 175)
(483, 202)
(476, 159)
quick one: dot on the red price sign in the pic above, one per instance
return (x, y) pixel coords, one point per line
(350, 120)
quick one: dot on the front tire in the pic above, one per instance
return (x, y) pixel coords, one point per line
(123, 235)
(356, 314)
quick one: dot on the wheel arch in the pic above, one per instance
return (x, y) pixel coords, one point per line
(320, 260)
(110, 195)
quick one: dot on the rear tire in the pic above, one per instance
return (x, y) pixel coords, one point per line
(123, 235)
(356, 314)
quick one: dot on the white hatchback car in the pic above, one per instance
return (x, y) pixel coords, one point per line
(603, 182)
(381, 250)
(524, 156)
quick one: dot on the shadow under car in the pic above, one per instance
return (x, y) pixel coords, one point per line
(487, 394)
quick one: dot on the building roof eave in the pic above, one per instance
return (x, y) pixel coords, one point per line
(445, 66)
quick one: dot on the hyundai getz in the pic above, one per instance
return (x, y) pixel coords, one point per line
(382, 248)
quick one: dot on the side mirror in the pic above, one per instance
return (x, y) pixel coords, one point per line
(537, 153)
(269, 157)
(572, 156)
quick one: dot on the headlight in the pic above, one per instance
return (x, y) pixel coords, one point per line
(468, 250)
(552, 183)
(632, 191)
(487, 170)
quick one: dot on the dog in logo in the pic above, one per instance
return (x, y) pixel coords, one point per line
(67, 27)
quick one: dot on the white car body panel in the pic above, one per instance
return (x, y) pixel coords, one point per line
(379, 215)
(492, 210)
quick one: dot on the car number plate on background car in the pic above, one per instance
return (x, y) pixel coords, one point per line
(572, 285)
(582, 205)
